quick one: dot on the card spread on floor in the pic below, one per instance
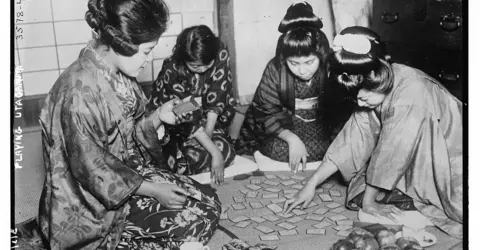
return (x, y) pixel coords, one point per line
(251, 194)
(337, 217)
(335, 193)
(298, 212)
(275, 208)
(325, 197)
(254, 187)
(272, 190)
(321, 211)
(270, 177)
(338, 210)
(283, 177)
(345, 222)
(224, 215)
(256, 181)
(285, 216)
(298, 177)
(271, 183)
(269, 237)
(264, 229)
(288, 232)
(238, 206)
(343, 233)
(315, 217)
(327, 185)
(271, 217)
(290, 196)
(316, 231)
(333, 205)
(312, 204)
(239, 218)
(256, 205)
(279, 200)
(288, 182)
(343, 228)
(295, 219)
(322, 224)
(319, 190)
(225, 208)
(244, 191)
(243, 224)
(238, 199)
(297, 186)
(270, 195)
(286, 225)
(290, 191)
(257, 219)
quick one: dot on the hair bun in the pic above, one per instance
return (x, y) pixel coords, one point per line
(94, 16)
(299, 15)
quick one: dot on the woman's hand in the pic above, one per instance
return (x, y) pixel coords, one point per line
(297, 153)
(218, 165)
(169, 195)
(376, 209)
(305, 196)
(166, 114)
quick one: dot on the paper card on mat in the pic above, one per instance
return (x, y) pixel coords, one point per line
(271, 217)
(275, 208)
(238, 199)
(298, 212)
(288, 232)
(337, 217)
(333, 205)
(243, 224)
(257, 219)
(243, 191)
(290, 191)
(256, 181)
(288, 182)
(345, 222)
(343, 228)
(279, 200)
(312, 204)
(298, 177)
(327, 185)
(270, 195)
(270, 177)
(343, 233)
(283, 177)
(254, 187)
(335, 193)
(325, 197)
(271, 183)
(338, 210)
(290, 196)
(251, 194)
(286, 225)
(319, 190)
(286, 216)
(224, 215)
(269, 237)
(272, 190)
(295, 219)
(239, 218)
(264, 229)
(256, 205)
(238, 206)
(321, 211)
(314, 231)
(314, 217)
(297, 186)
(322, 224)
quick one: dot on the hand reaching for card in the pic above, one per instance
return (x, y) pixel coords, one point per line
(170, 195)
(305, 196)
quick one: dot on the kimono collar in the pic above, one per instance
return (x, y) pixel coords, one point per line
(107, 71)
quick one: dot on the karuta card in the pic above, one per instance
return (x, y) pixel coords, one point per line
(322, 224)
(298, 177)
(256, 181)
(257, 219)
(295, 219)
(297, 186)
(239, 218)
(238, 199)
(283, 177)
(270, 177)
(338, 210)
(315, 217)
(244, 191)
(271, 183)
(290, 191)
(327, 185)
(271, 217)
(286, 216)
(288, 182)
(269, 237)
(270, 195)
(343, 233)
(345, 222)
(275, 208)
(343, 228)
(319, 190)
(251, 194)
(288, 232)
(298, 212)
(225, 208)
(333, 205)
(316, 231)
(254, 187)
(321, 211)
(243, 224)
(224, 215)
(256, 205)
(286, 225)
(272, 190)
(337, 217)
(325, 197)
(290, 196)
(312, 204)
(335, 193)
(238, 206)
(264, 229)
(279, 200)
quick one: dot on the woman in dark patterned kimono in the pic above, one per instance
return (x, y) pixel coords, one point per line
(405, 136)
(286, 120)
(199, 68)
(104, 188)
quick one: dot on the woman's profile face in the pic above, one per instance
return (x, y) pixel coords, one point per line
(198, 67)
(369, 99)
(133, 65)
(303, 67)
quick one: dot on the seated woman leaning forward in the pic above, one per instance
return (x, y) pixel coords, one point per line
(285, 120)
(406, 135)
(198, 68)
(104, 188)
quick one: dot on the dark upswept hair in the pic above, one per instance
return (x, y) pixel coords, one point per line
(125, 24)
(196, 44)
(371, 71)
(303, 41)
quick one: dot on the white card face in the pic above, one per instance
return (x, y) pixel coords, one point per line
(333, 205)
(345, 222)
(257, 219)
(286, 216)
(243, 191)
(288, 232)
(335, 193)
(338, 217)
(312, 204)
(256, 205)
(316, 231)
(270, 195)
(238, 199)
(270, 177)
(297, 186)
(256, 181)
(343, 233)
(279, 200)
(322, 224)
(338, 210)
(269, 237)
(327, 185)
(283, 177)
(224, 215)
(264, 229)
(288, 182)
(298, 212)
(238, 206)
(298, 177)
(321, 211)
(271, 217)
(315, 217)
(319, 190)
(275, 208)
(325, 197)
(286, 225)
(254, 187)
(272, 190)
(239, 218)
(251, 194)
(290, 191)
(243, 224)
(295, 219)
(343, 228)
(271, 183)
(290, 196)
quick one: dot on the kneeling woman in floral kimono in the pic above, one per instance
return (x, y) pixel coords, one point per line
(199, 68)
(103, 187)
(406, 135)
(285, 121)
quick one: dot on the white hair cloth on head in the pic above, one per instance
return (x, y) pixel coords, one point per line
(353, 43)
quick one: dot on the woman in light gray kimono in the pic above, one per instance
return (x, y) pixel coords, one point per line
(406, 135)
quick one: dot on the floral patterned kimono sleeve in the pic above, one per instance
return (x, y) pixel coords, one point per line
(166, 87)
(219, 94)
(99, 172)
(266, 104)
(404, 127)
(352, 148)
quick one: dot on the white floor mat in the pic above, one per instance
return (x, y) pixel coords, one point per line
(267, 165)
(241, 165)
